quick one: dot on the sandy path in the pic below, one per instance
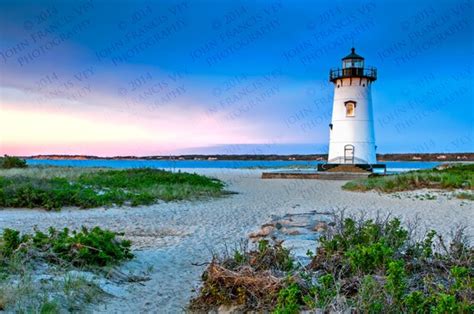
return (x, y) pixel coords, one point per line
(171, 236)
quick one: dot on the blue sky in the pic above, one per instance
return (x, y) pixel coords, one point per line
(164, 77)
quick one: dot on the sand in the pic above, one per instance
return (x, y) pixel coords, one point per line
(170, 237)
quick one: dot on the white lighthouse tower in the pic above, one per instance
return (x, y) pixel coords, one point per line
(352, 139)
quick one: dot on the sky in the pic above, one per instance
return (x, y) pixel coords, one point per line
(142, 78)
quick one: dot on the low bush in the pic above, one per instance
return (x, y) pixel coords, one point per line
(369, 266)
(95, 247)
(9, 162)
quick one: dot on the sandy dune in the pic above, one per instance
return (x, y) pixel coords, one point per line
(170, 237)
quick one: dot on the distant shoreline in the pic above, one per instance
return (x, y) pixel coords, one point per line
(440, 157)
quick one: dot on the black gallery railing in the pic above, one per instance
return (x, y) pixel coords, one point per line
(369, 73)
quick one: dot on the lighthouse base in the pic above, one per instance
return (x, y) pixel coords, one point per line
(355, 168)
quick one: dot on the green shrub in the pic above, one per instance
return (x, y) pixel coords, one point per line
(326, 290)
(366, 259)
(95, 247)
(370, 297)
(415, 302)
(289, 300)
(9, 162)
(396, 281)
(10, 241)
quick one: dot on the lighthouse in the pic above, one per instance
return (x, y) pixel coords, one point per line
(351, 131)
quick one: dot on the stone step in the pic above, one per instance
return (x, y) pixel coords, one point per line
(326, 175)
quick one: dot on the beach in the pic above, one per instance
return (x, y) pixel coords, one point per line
(173, 240)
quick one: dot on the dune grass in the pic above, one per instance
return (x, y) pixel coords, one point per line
(56, 187)
(453, 177)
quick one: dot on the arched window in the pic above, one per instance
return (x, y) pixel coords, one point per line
(350, 108)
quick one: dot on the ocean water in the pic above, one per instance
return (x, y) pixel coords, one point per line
(392, 166)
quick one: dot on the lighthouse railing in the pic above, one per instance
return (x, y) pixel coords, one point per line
(337, 73)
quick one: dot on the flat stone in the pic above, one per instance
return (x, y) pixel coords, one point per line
(295, 231)
(320, 227)
(265, 231)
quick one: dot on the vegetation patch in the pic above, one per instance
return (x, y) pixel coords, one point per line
(465, 196)
(100, 187)
(95, 247)
(250, 279)
(36, 269)
(9, 162)
(368, 266)
(452, 177)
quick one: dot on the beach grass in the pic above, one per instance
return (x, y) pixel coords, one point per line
(57, 187)
(449, 178)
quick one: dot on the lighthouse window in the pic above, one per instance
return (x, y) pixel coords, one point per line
(350, 109)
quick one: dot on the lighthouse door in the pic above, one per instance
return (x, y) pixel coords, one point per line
(349, 154)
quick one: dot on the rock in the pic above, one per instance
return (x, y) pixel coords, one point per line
(265, 231)
(320, 227)
(278, 225)
(286, 221)
(292, 232)
(254, 235)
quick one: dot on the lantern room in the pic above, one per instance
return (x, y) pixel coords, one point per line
(353, 60)
(353, 66)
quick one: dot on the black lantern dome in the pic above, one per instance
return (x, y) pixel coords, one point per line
(353, 55)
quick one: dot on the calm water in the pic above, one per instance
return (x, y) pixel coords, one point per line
(393, 166)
